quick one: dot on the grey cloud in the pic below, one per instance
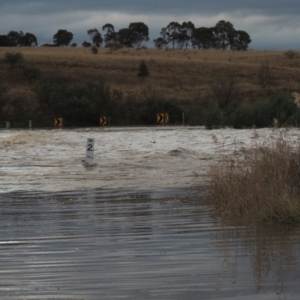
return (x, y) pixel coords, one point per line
(271, 24)
(162, 7)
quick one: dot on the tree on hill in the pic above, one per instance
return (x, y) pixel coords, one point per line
(203, 38)
(179, 35)
(28, 40)
(4, 41)
(241, 40)
(163, 40)
(187, 29)
(139, 33)
(125, 37)
(160, 43)
(86, 44)
(14, 37)
(63, 37)
(223, 34)
(110, 37)
(96, 37)
(173, 32)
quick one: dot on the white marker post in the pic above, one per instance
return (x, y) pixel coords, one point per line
(7, 125)
(30, 125)
(89, 151)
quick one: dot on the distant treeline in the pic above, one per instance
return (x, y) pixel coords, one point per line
(180, 36)
(15, 38)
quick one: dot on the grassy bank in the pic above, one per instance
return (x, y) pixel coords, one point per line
(261, 185)
(213, 88)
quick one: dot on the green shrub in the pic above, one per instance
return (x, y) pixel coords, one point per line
(143, 70)
(13, 59)
(213, 116)
(30, 72)
(239, 116)
(261, 113)
(80, 104)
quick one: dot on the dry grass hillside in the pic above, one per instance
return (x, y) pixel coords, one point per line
(187, 77)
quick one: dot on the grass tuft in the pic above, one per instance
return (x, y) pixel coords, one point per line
(262, 185)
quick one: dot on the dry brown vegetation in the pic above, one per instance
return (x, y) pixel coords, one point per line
(184, 76)
(261, 185)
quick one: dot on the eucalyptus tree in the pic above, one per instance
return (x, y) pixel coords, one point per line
(163, 40)
(62, 37)
(140, 33)
(203, 38)
(160, 43)
(179, 35)
(110, 36)
(187, 29)
(14, 37)
(96, 37)
(125, 37)
(174, 34)
(28, 40)
(223, 34)
(241, 40)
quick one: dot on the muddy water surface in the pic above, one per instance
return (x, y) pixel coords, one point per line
(124, 245)
(130, 226)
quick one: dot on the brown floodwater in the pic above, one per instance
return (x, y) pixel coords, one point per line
(105, 244)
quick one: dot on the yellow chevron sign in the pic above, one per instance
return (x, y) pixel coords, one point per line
(166, 118)
(162, 118)
(103, 121)
(58, 122)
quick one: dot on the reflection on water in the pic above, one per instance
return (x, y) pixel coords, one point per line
(272, 251)
(100, 245)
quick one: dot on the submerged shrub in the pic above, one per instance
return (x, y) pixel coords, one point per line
(262, 185)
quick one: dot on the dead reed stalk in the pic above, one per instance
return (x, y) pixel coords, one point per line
(263, 185)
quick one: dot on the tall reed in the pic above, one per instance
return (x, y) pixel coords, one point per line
(262, 185)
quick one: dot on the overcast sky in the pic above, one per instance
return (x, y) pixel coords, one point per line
(272, 25)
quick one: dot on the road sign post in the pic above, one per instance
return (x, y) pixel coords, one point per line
(162, 118)
(89, 151)
(103, 121)
(58, 122)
